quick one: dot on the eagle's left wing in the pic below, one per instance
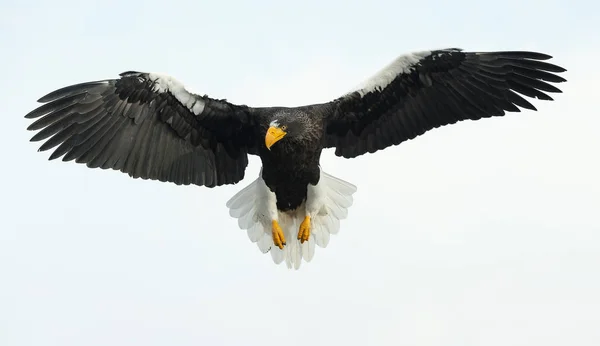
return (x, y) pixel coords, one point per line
(421, 91)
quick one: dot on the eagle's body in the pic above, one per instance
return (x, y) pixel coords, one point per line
(289, 177)
(289, 168)
(150, 126)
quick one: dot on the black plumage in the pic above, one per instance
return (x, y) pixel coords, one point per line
(293, 163)
(152, 128)
(122, 124)
(446, 86)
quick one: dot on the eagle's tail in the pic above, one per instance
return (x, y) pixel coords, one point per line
(250, 207)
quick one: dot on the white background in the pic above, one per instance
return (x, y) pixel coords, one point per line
(480, 233)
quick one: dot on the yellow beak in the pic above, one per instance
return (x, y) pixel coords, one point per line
(274, 134)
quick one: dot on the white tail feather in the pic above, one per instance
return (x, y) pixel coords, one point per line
(328, 203)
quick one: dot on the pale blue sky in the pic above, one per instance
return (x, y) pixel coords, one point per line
(481, 233)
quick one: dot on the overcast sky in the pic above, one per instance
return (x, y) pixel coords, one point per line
(479, 233)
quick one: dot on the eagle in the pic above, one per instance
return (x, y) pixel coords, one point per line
(151, 126)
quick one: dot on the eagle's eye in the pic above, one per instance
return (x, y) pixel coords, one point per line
(284, 127)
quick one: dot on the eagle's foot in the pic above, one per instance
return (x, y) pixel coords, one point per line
(278, 238)
(304, 231)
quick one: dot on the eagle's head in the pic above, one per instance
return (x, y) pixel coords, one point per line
(286, 127)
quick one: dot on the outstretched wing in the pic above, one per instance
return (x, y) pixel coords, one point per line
(421, 91)
(149, 126)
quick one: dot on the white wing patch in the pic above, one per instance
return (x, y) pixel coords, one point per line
(327, 202)
(165, 83)
(403, 64)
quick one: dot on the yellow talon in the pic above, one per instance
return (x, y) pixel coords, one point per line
(278, 238)
(304, 232)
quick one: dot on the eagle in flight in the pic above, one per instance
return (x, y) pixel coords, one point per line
(150, 126)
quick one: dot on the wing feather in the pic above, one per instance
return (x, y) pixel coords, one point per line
(148, 126)
(425, 90)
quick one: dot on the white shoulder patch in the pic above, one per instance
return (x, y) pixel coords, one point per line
(403, 64)
(165, 83)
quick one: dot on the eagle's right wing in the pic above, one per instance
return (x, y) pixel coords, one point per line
(149, 126)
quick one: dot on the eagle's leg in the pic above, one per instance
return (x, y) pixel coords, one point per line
(314, 203)
(278, 237)
(304, 231)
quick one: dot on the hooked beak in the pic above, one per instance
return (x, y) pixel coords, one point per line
(274, 134)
